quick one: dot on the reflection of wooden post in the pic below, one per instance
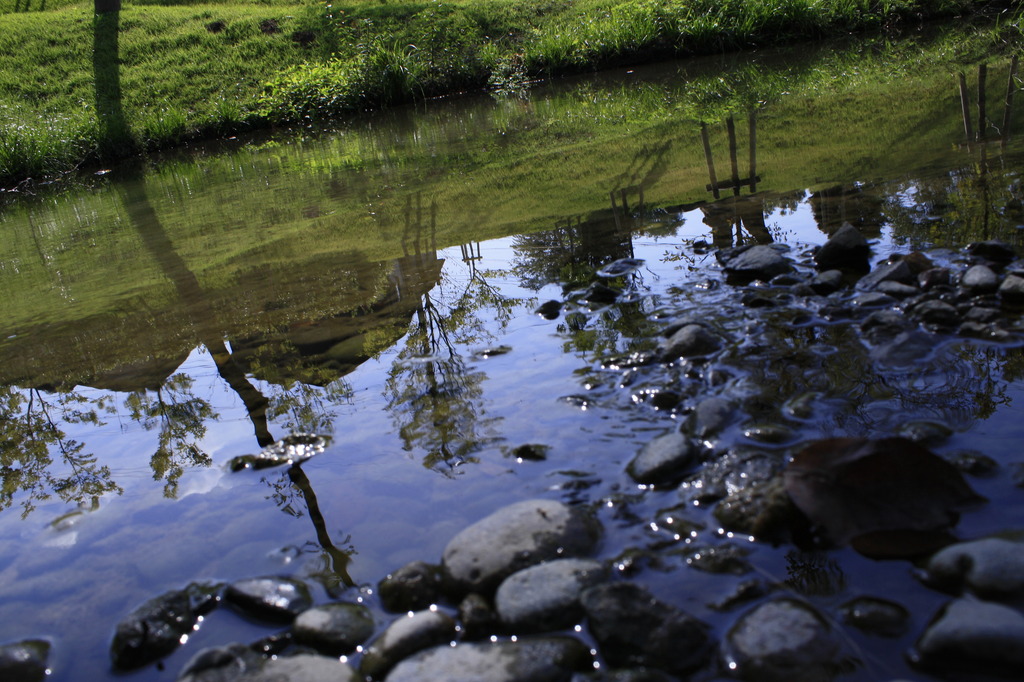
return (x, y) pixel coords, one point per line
(1004, 131)
(730, 126)
(982, 74)
(710, 161)
(965, 108)
(753, 150)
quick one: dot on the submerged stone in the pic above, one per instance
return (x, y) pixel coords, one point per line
(876, 616)
(334, 629)
(414, 586)
(542, 659)
(979, 279)
(477, 617)
(782, 640)
(664, 459)
(514, 538)
(270, 598)
(25, 661)
(711, 416)
(758, 262)
(691, 340)
(238, 663)
(633, 628)
(293, 449)
(898, 271)
(546, 597)
(155, 629)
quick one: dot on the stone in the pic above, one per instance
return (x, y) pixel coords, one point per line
(414, 586)
(406, 636)
(600, 294)
(897, 289)
(691, 340)
(664, 459)
(630, 675)
(991, 568)
(876, 616)
(711, 416)
(898, 271)
(633, 629)
(546, 597)
(25, 661)
(542, 659)
(761, 509)
(992, 250)
(269, 598)
(1011, 290)
(155, 629)
(726, 558)
(979, 279)
(334, 629)
(783, 640)
(883, 324)
(514, 538)
(733, 471)
(936, 313)
(973, 636)
(934, 278)
(758, 262)
(477, 617)
(846, 248)
(827, 282)
(550, 310)
(237, 663)
(293, 449)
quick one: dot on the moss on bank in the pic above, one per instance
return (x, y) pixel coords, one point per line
(77, 89)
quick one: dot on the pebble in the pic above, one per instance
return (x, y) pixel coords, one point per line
(543, 659)
(974, 636)
(547, 596)
(25, 661)
(334, 629)
(414, 586)
(269, 598)
(664, 459)
(514, 538)
(991, 568)
(404, 637)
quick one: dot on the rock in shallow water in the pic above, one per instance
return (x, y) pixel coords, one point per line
(154, 630)
(25, 661)
(547, 659)
(992, 567)
(876, 616)
(403, 638)
(270, 598)
(514, 538)
(783, 640)
(334, 629)
(847, 248)
(413, 587)
(546, 596)
(635, 629)
(976, 637)
(238, 663)
(664, 459)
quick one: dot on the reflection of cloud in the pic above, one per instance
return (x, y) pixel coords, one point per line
(201, 481)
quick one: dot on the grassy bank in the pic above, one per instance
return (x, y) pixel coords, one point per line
(76, 89)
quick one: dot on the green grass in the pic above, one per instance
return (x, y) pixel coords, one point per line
(75, 91)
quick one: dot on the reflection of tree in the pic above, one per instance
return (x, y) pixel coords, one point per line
(30, 436)
(434, 395)
(180, 418)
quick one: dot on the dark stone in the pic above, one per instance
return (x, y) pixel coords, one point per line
(934, 278)
(975, 637)
(550, 310)
(897, 290)
(335, 629)
(478, 618)
(404, 637)
(600, 293)
(936, 313)
(630, 675)
(541, 659)
(690, 341)
(621, 267)
(514, 538)
(25, 661)
(991, 567)
(898, 271)
(904, 350)
(711, 416)
(664, 459)
(154, 630)
(635, 629)
(293, 449)
(761, 509)
(238, 663)
(876, 616)
(994, 251)
(847, 248)
(1012, 289)
(827, 282)
(873, 299)
(269, 598)
(727, 557)
(413, 587)
(758, 262)
(979, 279)
(883, 324)
(982, 314)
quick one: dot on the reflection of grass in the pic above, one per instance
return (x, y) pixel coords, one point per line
(287, 212)
(189, 69)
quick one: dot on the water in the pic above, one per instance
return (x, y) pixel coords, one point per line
(378, 285)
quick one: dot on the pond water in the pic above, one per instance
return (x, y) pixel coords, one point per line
(378, 285)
